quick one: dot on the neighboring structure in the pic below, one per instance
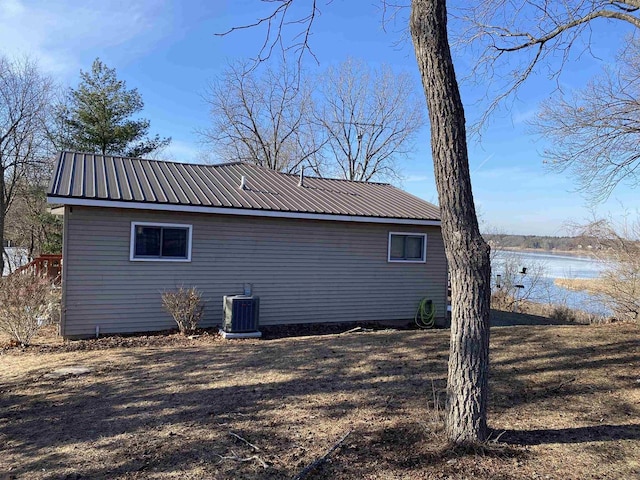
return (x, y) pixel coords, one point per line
(15, 257)
(313, 250)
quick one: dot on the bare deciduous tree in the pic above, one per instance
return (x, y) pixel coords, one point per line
(619, 249)
(518, 282)
(262, 118)
(58, 126)
(358, 124)
(513, 38)
(467, 252)
(595, 131)
(370, 118)
(24, 100)
(28, 222)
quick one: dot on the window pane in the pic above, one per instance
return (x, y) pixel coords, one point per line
(174, 242)
(413, 248)
(397, 246)
(147, 241)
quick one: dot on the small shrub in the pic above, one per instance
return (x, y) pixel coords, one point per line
(500, 300)
(26, 302)
(186, 307)
(563, 313)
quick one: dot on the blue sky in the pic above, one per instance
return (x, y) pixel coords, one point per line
(168, 50)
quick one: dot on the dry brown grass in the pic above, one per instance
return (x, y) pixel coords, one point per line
(592, 285)
(561, 314)
(565, 402)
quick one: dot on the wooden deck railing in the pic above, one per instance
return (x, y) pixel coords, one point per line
(49, 266)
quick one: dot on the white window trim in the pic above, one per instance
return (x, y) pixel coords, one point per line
(132, 246)
(412, 234)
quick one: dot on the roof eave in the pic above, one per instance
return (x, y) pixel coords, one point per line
(237, 211)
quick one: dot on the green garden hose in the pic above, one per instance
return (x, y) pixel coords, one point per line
(426, 314)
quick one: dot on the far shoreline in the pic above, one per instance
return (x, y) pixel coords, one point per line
(570, 253)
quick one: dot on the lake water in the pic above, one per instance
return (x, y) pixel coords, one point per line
(552, 266)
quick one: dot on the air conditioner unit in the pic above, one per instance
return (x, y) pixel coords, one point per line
(240, 316)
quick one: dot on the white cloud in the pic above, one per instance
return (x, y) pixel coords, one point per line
(58, 33)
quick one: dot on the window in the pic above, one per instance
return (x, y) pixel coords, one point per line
(407, 247)
(160, 242)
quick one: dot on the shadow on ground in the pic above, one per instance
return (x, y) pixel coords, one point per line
(169, 411)
(501, 318)
(598, 433)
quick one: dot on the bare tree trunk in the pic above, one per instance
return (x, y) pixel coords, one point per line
(467, 252)
(2, 218)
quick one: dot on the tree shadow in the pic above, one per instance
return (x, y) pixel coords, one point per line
(170, 409)
(500, 318)
(596, 433)
(137, 404)
(408, 447)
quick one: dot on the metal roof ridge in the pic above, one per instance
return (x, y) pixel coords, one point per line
(334, 179)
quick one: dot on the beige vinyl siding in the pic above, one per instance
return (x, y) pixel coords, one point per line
(302, 270)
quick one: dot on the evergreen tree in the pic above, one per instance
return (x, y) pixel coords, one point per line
(98, 118)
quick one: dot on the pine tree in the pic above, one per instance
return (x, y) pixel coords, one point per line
(98, 119)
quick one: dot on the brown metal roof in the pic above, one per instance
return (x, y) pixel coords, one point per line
(83, 176)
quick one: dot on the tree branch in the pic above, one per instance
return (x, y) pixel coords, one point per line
(275, 23)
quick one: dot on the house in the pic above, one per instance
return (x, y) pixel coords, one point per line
(313, 250)
(14, 258)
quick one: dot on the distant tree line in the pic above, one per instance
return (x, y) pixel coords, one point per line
(541, 242)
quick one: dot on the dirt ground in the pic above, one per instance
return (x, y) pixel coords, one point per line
(564, 404)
